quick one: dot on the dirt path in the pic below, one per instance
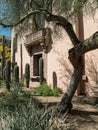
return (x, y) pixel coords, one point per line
(85, 114)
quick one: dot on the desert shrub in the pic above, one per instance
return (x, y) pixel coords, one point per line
(56, 91)
(45, 90)
(26, 113)
(11, 101)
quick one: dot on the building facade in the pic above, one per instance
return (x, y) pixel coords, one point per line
(52, 44)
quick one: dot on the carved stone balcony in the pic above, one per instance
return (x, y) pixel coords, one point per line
(40, 36)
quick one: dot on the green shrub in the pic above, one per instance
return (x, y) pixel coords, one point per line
(45, 90)
(12, 101)
(25, 113)
(56, 91)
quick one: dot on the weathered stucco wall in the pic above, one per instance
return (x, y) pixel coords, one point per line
(58, 57)
(24, 56)
(59, 69)
(91, 58)
(58, 64)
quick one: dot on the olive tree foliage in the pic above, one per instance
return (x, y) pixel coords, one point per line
(16, 11)
(61, 12)
(70, 7)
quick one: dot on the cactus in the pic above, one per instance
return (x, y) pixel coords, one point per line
(3, 55)
(7, 74)
(2, 63)
(12, 68)
(41, 76)
(27, 75)
(16, 75)
(13, 62)
(14, 49)
(4, 70)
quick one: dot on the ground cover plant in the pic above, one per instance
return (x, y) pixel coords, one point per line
(45, 90)
(19, 110)
(23, 112)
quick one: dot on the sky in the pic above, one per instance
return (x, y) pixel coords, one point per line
(5, 31)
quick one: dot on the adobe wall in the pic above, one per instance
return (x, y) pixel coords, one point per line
(58, 67)
(58, 57)
(25, 56)
(91, 58)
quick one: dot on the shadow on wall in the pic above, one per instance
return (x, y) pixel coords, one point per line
(54, 75)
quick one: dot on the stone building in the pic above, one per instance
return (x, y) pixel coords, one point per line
(52, 44)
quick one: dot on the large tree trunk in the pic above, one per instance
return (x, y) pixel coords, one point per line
(65, 103)
(75, 56)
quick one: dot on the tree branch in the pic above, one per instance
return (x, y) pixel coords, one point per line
(49, 17)
(23, 18)
(36, 3)
(89, 44)
(66, 25)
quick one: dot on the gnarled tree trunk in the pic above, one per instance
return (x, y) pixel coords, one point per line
(65, 103)
(75, 57)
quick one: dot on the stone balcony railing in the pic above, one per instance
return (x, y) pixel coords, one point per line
(39, 36)
(41, 39)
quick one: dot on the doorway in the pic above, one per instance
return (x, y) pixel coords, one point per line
(36, 64)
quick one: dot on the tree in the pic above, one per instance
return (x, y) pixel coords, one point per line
(7, 51)
(71, 7)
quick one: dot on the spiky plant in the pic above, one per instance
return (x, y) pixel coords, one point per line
(27, 113)
(4, 70)
(8, 74)
(3, 54)
(27, 75)
(41, 75)
(16, 74)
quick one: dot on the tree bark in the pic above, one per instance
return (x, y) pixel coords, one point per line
(76, 59)
(75, 56)
(87, 45)
(65, 103)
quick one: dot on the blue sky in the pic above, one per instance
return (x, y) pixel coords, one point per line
(3, 7)
(5, 31)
